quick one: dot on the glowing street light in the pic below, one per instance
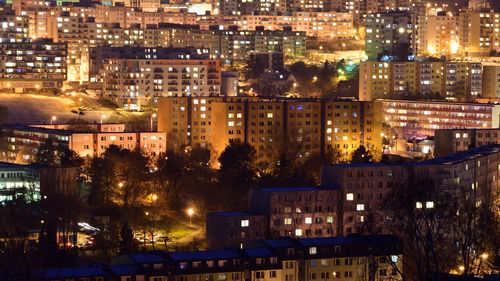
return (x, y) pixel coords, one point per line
(120, 184)
(315, 78)
(484, 256)
(153, 116)
(103, 116)
(461, 268)
(154, 197)
(53, 120)
(190, 213)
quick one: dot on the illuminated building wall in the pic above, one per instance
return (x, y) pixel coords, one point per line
(387, 33)
(12, 28)
(40, 65)
(438, 35)
(365, 188)
(24, 141)
(304, 126)
(480, 33)
(491, 81)
(450, 80)
(421, 118)
(132, 83)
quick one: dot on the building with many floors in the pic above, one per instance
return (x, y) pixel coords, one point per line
(420, 79)
(23, 141)
(389, 34)
(40, 64)
(132, 83)
(419, 119)
(305, 126)
(17, 180)
(366, 188)
(448, 141)
(13, 28)
(438, 35)
(364, 258)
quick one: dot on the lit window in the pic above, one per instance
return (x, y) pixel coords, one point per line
(419, 205)
(349, 196)
(394, 258)
(269, 115)
(312, 251)
(308, 220)
(203, 108)
(244, 223)
(288, 221)
(298, 232)
(429, 204)
(329, 219)
(230, 124)
(113, 138)
(360, 207)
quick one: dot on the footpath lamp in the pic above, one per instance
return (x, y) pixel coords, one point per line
(153, 116)
(190, 213)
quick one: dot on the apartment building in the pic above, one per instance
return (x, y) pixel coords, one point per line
(444, 79)
(364, 258)
(479, 33)
(305, 126)
(23, 141)
(32, 65)
(387, 34)
(366, 187)
(419, 119)
(13, 28)
(132, 83)
(17, 180)
(438, 35)
(448, 141)
(491, 80)
(302, 212)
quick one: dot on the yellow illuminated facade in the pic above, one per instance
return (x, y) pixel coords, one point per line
(305, 127)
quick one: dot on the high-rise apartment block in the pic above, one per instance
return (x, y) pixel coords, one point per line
(305, 126)
(13, 28)
(491, 80)
(438, 35)
(420, 79)
(32, 65)
(389, 34)
(419, 119)
(132, 83)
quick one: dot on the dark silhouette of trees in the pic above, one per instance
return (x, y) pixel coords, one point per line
(362, 155)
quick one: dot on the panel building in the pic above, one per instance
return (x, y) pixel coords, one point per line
(23, 141)
(448, 141)
(32, 65)
(305, 126)
(420, 79)
(365, 188)
(418, 119)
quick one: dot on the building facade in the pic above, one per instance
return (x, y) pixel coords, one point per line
(419, 119)
(366, 189)
(305, 126)
(420, 79)
(448, 141)
(32, 65)
(23, 141)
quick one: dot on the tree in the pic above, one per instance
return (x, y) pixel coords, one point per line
(237, 171)
(47, 154)
(127, 243)
(361, 155)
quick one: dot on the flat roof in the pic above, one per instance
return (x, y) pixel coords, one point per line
(235, 214)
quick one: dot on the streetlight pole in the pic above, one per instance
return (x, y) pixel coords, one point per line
(53, 120)
(190, 214)
(153, 116)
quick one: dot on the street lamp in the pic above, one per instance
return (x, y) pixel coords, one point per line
(120, 184)
(103, 116)
(153, 116)
(154, 197)
(53, 120)
(484, 256)
(190, 214)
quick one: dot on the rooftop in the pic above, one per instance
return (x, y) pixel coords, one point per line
(235, 214)
(291, 189)
(203, 255)
(259, 252)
